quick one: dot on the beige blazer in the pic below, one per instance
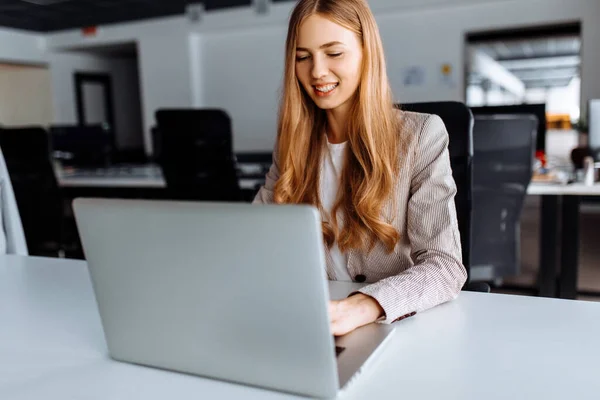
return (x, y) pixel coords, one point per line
(425, 268)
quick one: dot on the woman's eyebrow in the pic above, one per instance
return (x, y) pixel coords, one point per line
(326, 45)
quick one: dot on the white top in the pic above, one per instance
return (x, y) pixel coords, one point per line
(493, 347)
(332, 164)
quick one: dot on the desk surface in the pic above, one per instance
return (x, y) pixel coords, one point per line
(140, 177)
(574, 189)
(150, 176)
(480, 346)
(147, 176)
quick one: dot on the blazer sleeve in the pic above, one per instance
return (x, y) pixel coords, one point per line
(265, 194)
(437, 274)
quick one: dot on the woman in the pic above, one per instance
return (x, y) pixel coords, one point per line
(380, 177)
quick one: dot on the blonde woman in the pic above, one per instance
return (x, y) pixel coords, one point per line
(380, 177)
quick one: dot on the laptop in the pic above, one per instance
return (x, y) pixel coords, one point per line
(234, 292)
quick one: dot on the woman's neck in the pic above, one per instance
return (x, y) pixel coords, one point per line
(336, 124)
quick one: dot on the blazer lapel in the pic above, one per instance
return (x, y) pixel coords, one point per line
(329, 264)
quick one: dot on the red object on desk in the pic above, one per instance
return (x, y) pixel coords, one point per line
(89, 31)
(541, 155)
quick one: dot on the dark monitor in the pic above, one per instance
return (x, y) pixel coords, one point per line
(82, 145)
(539, 110)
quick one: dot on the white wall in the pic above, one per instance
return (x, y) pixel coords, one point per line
(242, 68)
(163, 57)
(233, 59)
(433, 36)
(246, 82)
(166, 77)
(25, 95)
(565, 100)
(21, 47)
(125, 86)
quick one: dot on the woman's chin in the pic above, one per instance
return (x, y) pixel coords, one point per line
(326, 104)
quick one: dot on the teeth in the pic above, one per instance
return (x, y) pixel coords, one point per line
(325, 89)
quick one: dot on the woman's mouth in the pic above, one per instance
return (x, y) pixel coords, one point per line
(325, 90)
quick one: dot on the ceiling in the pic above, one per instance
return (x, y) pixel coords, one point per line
(537, 62)
(53, 15)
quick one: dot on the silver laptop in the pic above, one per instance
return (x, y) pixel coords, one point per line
(236, 292)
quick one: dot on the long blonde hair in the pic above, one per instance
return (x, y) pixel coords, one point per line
(372, 162)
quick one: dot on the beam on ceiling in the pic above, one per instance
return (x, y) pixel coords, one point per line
(489, 68)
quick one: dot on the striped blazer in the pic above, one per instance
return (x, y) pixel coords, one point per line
(425, 268)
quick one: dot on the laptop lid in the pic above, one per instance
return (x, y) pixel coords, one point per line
(236, 292)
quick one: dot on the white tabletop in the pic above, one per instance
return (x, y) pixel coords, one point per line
(480, 346)
(139, 177)
(150, 176)
(573, 189)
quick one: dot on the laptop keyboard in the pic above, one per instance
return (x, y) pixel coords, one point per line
(338, 350)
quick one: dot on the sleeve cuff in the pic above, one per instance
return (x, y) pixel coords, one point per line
(394, 307)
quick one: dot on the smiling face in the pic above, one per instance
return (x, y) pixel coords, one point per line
(328, 62)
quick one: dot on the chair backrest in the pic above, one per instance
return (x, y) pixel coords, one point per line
(12, 237)
(502, 169)
(539, 110)
(85, 145)
(27, 155)
(459, 123)
(197, 154)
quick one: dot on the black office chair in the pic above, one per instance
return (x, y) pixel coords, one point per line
(83, 145)
(260, 162)
(197, 155)
(39, 200)
(502, 170)
(459, 123)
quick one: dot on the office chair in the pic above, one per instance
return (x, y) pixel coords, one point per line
(459, 123)
(12, 237)
(259, 163)
(85, 145)
(197, 154)
(502, 170)
(38, 197)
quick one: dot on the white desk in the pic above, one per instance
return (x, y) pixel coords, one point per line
(559, 236)
(574, 189)
(479, 346)
(150, 177)
(140, 177)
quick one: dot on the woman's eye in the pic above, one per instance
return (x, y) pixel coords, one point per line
(335, 55)
(301, 58)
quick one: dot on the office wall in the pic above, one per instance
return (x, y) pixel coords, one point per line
(163, 47)
(232, 59)
(21, 47)
(125, 86)
(242, 68)
(243, 76)
(25, 95)
(165, 69)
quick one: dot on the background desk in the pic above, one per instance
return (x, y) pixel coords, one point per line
(559, 219)
(140, 176)
(480, 346)
(557, 241)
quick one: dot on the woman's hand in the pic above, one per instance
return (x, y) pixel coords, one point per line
(352, 312)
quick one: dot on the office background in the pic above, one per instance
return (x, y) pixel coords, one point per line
(232, 58)
(228, 55)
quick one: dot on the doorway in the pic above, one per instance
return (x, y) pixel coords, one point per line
(94, 99)
(530, 65)
(104, 89)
